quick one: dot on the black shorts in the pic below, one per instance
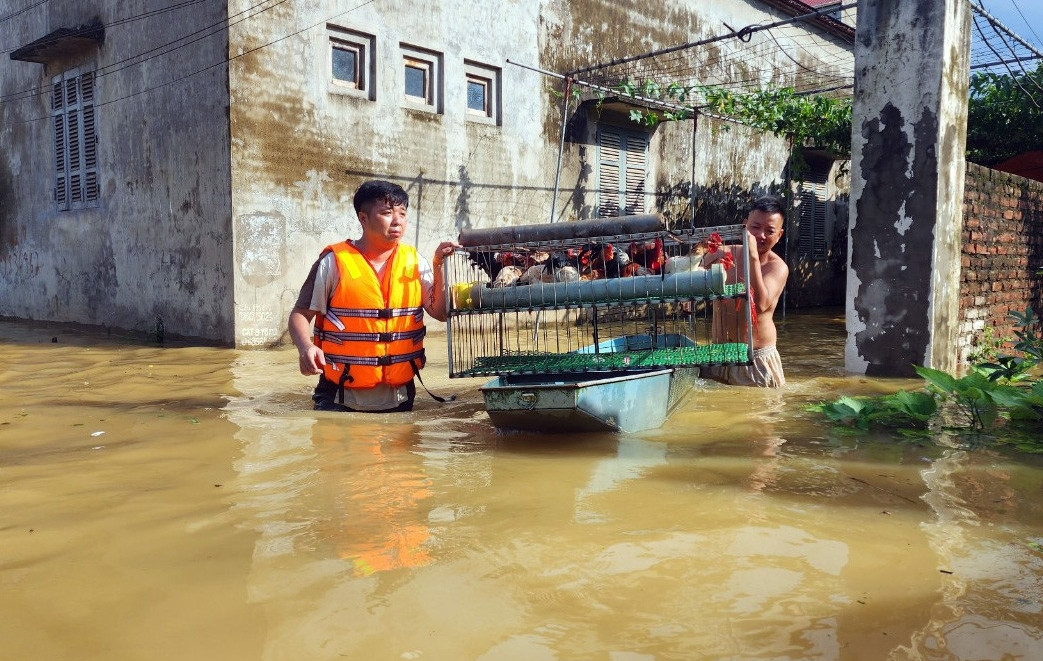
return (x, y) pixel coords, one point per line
(327, 393)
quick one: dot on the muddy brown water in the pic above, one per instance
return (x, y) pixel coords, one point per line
(177, 502)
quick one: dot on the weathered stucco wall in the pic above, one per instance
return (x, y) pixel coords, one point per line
(1002, 256)
(909, 132)
(158, 244)
(299, 150)
(220, 183)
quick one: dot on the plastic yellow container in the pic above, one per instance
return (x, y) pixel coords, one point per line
(462, 297)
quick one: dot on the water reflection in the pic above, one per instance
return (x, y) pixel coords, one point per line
(742, 529)
(964, 624)
(379, 494)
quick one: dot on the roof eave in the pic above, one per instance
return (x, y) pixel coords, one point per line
(61, 43)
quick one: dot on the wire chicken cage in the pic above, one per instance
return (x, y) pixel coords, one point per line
(610, 295)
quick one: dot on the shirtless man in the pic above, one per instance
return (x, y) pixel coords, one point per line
(768, 273)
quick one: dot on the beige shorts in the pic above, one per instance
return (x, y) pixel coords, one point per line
(765, 372)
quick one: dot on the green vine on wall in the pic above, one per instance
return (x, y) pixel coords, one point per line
(1004, 117)
(822, 121)
(815, 121)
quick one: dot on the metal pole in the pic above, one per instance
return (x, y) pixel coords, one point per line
(561, 148)
(450, 306)
(749, 292)
(691, 192)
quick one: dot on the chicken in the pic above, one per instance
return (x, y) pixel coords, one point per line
(486, 261)
(597, 260)
(555, 269)
(684, 263)
(492, 263)
(613, 260)
(632, 269)
(648, 254)
(507, 276)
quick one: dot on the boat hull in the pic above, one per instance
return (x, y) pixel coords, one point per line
(609, 401)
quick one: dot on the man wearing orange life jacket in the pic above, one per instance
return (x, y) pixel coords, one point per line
(367, 299)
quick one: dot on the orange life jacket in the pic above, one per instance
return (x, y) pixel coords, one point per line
(373, 332)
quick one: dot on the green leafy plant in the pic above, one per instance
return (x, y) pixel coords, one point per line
(804, 120)
(1006, 388)
(821, 121)
(1029, 345)
(986, 347)
(902, 408)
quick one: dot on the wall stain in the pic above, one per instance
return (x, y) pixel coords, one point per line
(8, 212)
(894, 283)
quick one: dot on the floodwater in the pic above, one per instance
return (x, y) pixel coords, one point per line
(184, 503)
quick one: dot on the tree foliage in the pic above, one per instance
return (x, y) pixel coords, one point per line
(1005, 115)
(821, 121)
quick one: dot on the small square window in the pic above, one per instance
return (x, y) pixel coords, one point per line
(418, 83)
(478, 95)
(483, 92)
(346, 65)
(351, 62)
(422, 78)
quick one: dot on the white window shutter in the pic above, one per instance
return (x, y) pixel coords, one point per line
(636, 167)
(609, 167)
(622, 168)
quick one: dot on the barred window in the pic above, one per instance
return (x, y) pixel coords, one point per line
(75, 140)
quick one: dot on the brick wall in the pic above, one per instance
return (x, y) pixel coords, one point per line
(1002, 252)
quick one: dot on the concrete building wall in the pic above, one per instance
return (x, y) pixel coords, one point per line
(157, 245)
(909, 135)
(301, 145)
(220, 182)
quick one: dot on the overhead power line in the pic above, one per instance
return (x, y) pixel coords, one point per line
(180, 43)
(731, 63)
(19, 12)
(157, 51)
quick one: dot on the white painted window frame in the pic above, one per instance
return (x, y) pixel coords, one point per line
(364, 46)
(490, 78)
(432, 64)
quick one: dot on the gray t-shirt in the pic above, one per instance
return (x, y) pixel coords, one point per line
(315, 295)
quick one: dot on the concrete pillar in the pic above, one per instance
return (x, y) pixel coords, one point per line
(909, 131)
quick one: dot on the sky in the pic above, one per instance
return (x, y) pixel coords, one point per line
(1028, 24)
